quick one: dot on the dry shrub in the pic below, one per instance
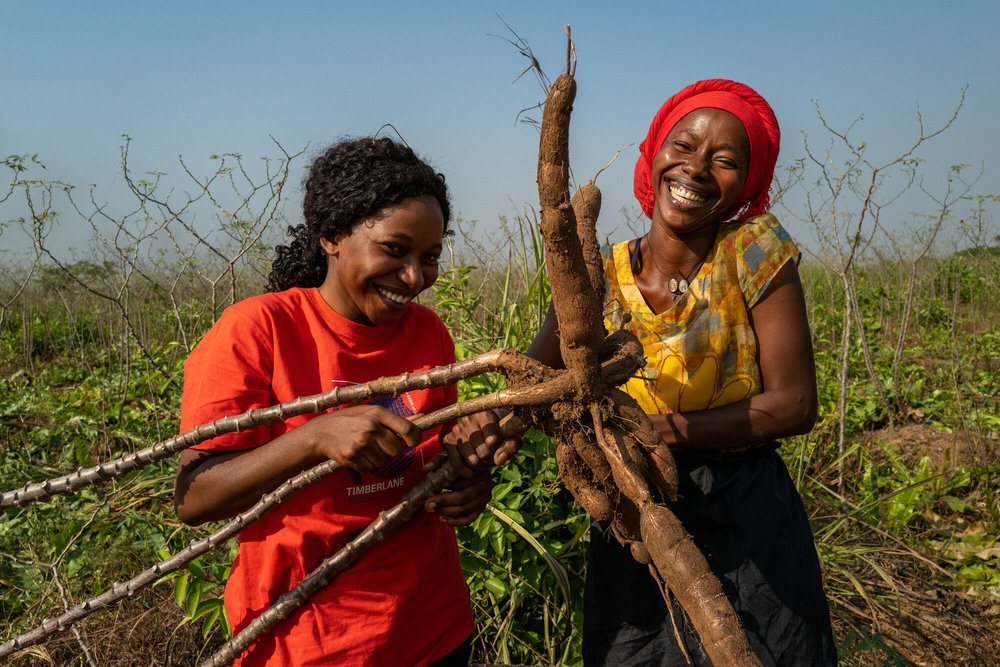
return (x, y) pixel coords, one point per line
(148, 629)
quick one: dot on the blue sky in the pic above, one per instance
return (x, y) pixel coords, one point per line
(197, 78)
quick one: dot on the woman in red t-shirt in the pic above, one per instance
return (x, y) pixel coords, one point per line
(339, 310)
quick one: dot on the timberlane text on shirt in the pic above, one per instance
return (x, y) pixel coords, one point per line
(362, 489)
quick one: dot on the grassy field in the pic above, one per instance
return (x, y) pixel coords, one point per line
(900, 476)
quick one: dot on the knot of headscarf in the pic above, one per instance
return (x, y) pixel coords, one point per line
(758, 119)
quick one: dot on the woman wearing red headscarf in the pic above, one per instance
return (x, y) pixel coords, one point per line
(712, 291)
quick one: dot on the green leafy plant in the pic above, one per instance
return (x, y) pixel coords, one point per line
(198, 591)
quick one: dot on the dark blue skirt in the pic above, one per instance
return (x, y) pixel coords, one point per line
(745, 514)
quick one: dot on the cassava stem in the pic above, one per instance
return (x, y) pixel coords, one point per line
(494, 361)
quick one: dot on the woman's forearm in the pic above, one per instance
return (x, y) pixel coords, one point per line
(212, 486)
(787, 405)
(218, 486)
(764, 417)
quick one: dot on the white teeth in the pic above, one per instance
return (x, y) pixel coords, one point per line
(682, 194)
(393, 296)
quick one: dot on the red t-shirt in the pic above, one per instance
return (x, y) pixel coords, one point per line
(405, 601)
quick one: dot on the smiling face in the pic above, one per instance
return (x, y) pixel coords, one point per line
(383, 263)
(699, 171)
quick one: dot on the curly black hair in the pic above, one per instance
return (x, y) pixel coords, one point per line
(352, 180)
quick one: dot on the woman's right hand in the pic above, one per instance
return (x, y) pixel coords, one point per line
(364, 437)
(214, 485)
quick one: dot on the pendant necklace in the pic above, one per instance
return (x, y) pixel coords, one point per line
(674, 286)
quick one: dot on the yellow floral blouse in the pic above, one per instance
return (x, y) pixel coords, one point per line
(701, 353)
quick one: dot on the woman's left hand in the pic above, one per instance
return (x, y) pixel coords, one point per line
(466, 498)
(476, 443)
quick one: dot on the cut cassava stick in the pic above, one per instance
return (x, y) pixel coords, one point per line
(124, 589)
(502, 360)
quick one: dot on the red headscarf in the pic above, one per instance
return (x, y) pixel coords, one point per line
(758, 119)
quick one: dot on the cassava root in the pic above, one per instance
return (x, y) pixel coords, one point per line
(638, 458)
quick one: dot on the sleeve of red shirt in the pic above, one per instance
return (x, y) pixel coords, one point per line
(228, 373)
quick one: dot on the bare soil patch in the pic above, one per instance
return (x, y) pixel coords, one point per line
(947, 450)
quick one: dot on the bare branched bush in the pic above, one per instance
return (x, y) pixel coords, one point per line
(172, 249)
(852, 204)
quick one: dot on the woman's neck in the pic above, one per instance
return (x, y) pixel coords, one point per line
(678, 252)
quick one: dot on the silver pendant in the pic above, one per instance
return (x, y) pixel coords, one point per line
(672, 285)
(683, 286)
